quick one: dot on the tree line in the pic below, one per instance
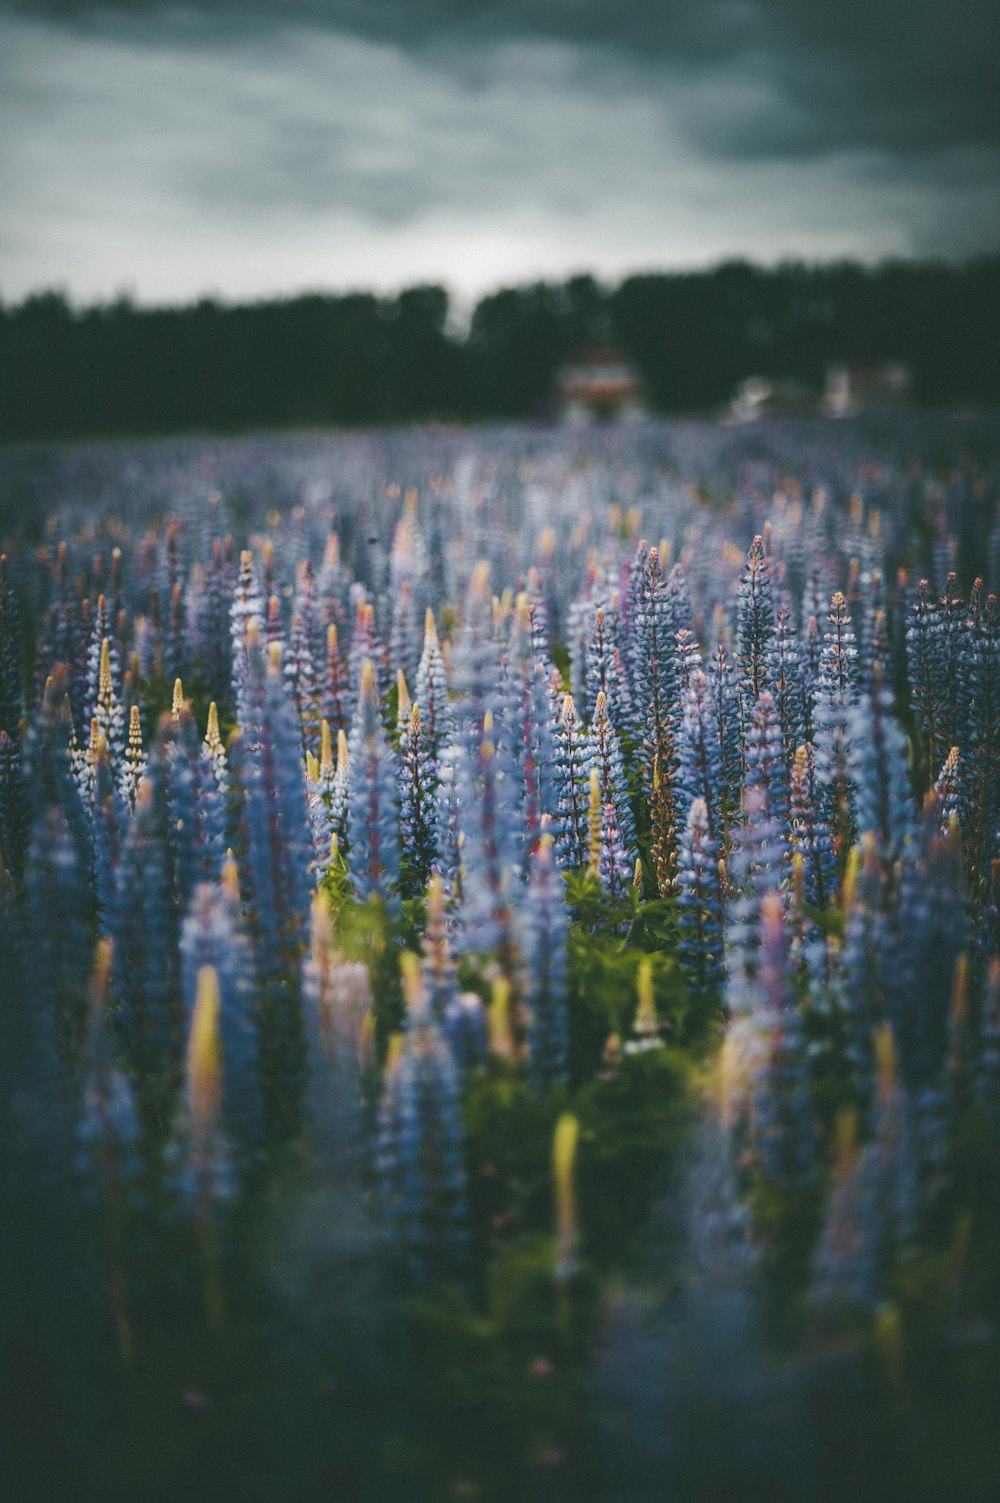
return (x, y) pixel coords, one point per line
(364, 359)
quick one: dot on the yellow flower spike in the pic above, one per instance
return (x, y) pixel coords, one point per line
(101, 973)
(204, 1054)
(664, 552)
(874, 522)
(594, 825)
(331, 554)
(646, 1025)
(547, 545)
(522, 611)
(393, 1054)
(637, 875)
(501, 1033)
(601, 703)
(325, 746)
(367, 677)
(885, 1059)
(564, 1145)
(312, 768)
(95, 737)
(104, 681)
(850, 877)
(430, 630)
(331, 639)
(403, 694)
(231, 878)
(488, 724)
(856, 508)
(413, 986)
(410, 502)
(479, 586)
(274, 658)
(632, 520)
(334, 848)
(342, 755)
(178, 699)
(212, 736)
(799, 878)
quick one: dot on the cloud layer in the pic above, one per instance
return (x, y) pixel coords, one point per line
(255, 148)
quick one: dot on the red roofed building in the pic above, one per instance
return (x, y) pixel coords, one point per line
(599, 385)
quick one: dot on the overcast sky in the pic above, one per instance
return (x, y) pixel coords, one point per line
(245, 147)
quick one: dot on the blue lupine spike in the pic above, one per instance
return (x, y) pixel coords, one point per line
(810, 836)
(404, 640)
(420, 1155)
(699, 770)
(538, 611)
(276, 849)
(605, 670)
(979, 810)
(418, 784)
(605, 754)
(336, 685)
(197, 821)
(572, 763)
(366, 647)
(372, 816)
(835, 696)
(953, 634)
(879, 771)
(489, 820)
(725, 717)
(543, 932)
(212, 934)
(754, 623)
(925, 669)
(214, 618)
(300, 676)
(932, 933)
(615, 865)
(700, 904)
(765, 766)
(144, 932)
(109, 817)
(787, 684)
(474, 660)
(873, 646)
(452, 778)
(432, 691)
(246, 621)
(658, 676)
(757, 865)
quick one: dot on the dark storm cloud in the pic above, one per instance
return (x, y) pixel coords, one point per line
(251, 146)
(909, 76)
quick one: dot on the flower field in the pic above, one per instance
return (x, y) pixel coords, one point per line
(501, 965)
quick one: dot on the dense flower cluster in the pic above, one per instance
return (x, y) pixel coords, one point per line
(227, 746)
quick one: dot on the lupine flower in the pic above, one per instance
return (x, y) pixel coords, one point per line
(543, 929)
(700, 903)
(421, 1173)
(372, 818)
